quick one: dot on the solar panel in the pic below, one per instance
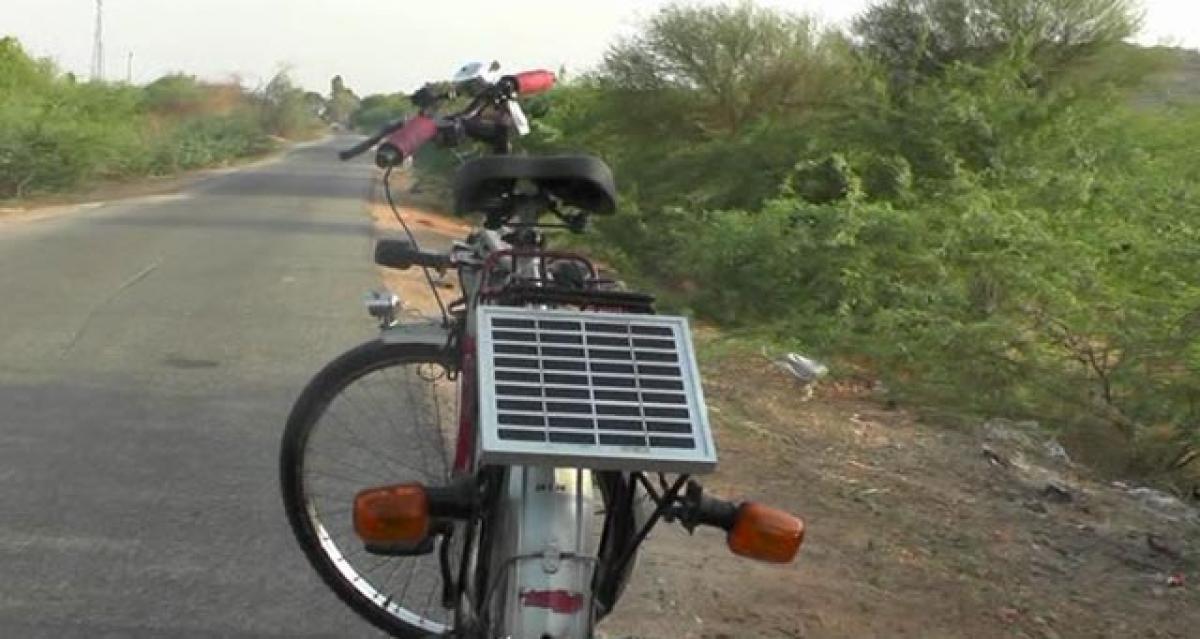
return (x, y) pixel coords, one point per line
(590, 390)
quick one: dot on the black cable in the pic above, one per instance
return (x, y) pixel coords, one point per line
(649, 488)
(387, 191)
(668, 498)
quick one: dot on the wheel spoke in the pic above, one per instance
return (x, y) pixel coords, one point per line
(388, 416)
(342, 478)
(408, 390)
(376, 453)
(371, 472)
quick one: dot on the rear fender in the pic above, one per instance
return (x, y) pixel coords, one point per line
(545, 554)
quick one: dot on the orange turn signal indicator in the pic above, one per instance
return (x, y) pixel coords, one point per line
(392, 515)
(766, 534)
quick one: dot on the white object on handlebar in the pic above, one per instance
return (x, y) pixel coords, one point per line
(473, 76)
(468, 71)
(520, 120)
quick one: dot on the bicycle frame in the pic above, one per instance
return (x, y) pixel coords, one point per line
(532, 566)
(541, 544)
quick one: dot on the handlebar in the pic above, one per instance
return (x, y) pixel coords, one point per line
(405, 137)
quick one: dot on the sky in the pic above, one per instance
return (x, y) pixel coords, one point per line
(380, 45)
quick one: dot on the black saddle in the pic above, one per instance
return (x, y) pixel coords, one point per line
(582, 181)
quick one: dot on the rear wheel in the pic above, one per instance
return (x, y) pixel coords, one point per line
(379, 414)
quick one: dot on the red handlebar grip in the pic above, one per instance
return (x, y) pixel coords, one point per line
(415, 133)
(531, 82)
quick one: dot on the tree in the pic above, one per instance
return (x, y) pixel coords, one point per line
(18, 71)
(286, 112)
(376, 110)
(316, 103)
(732, 62)
(342, 102)
(919, 38)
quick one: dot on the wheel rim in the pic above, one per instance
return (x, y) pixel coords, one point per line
(393, 423)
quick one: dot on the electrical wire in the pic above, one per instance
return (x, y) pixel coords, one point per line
(387, 191)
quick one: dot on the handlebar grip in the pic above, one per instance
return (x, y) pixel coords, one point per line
(413, 135)
(359, 148)
(531, 82)
(401, 254)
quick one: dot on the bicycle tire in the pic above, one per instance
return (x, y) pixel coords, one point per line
(319, 395)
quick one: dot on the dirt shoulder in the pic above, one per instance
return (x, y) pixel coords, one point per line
(914, 530)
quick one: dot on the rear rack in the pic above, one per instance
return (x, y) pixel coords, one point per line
(522, 293)
(545, 290)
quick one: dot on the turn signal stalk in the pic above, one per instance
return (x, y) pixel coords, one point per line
(766, 534)
(392, 516)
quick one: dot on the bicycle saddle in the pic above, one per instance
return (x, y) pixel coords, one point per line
(581, 181)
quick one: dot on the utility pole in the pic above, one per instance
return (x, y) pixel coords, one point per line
(98, 44)
(129, 69)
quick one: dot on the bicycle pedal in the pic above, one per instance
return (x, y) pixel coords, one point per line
(425, 547)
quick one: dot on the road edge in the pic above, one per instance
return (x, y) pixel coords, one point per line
(144, 188)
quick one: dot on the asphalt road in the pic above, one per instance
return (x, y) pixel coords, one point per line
(149, 352)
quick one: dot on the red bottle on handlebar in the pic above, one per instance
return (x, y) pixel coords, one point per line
(531, 82)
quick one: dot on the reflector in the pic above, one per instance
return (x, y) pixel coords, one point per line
(392, 514)
(765, 533)
(560, 601)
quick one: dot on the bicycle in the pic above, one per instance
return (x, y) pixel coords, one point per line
(580, 417)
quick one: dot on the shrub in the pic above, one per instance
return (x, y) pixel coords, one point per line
(1007, 231)
(56, 133)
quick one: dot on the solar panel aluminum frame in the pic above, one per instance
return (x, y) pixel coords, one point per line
(498, 450)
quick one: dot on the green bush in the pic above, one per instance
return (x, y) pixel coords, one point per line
(377, 110)
(57, 133)
(1009, 230)
(986, 203)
